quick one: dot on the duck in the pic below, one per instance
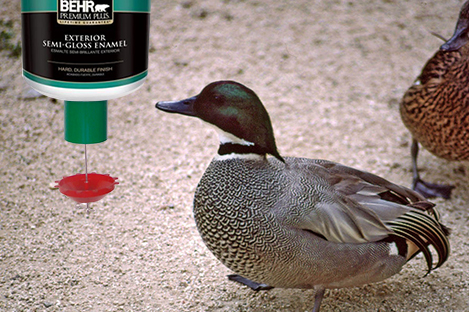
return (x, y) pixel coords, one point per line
(286, 222)
(435, 109)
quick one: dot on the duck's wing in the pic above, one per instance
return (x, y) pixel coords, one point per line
(341, 203)
(407, 213)
(358, 207)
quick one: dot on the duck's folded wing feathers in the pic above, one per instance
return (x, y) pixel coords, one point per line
(362, 207)
(345, 222)
(326, 207)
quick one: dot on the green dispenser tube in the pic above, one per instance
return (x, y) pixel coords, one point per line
(85, 122)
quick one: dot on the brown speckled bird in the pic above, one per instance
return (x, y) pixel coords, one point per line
(296, 222)
(436, 108)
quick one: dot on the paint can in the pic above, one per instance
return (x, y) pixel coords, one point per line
(85, 51)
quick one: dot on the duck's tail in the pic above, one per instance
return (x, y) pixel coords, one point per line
(421, 228)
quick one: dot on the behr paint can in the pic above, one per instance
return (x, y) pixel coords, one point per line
(85, 51)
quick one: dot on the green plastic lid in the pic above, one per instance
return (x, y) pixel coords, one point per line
(85, 122)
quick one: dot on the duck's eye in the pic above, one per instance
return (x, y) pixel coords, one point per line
(218, 100)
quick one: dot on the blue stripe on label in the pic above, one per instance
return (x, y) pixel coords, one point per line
(132, 5)
(38, 5)
(30, 6)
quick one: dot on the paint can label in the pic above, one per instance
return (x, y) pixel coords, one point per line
(69, 43)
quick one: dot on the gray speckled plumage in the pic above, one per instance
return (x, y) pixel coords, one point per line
(297, 222)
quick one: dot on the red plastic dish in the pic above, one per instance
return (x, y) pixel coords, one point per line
(76, 187)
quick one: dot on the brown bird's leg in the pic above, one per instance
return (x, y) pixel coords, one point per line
(427, 189)
(253, 285)
(318, 298)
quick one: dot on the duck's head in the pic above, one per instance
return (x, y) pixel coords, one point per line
(235, 110)
(461, 34)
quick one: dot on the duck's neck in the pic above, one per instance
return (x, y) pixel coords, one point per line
(234, 147)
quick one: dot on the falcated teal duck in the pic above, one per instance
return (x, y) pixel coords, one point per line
(436, 108)
(296, 222)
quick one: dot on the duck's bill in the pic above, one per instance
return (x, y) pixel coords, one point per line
(459, 39)
(184, 107)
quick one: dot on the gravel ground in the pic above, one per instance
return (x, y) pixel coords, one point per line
(331, 74)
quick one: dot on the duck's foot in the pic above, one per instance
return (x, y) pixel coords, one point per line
(430, 190)
(253, 285)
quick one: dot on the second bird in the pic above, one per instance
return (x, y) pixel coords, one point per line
(436, 108)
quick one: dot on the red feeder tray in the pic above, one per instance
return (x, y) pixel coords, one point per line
(76, 187)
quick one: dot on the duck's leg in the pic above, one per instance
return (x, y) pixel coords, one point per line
(318, 298)
(253, 285)
(427, 189)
